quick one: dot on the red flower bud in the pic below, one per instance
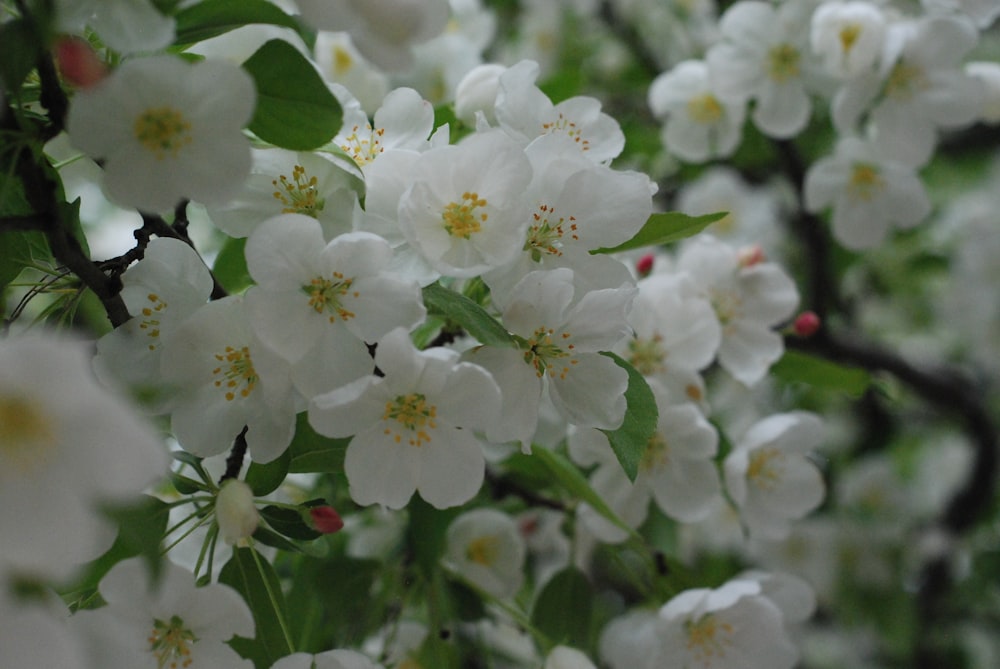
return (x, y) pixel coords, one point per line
(751, 255)
(644, 265)
(806, 324)
(78, 63)
(326, 519)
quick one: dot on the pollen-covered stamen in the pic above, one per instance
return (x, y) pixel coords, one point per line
(483, 550)
(299, 194)
(163, 131)
(707, 639)
(149, 323)
(170, 643)
(866, 181)
(728, 306)
(25, 434)
(543, 350)
(236, 375)
(414, 415)
(766, 468)
(705, 108)
(783, 62)
(657, 454)
(545, 235)
(325, 296)
(565, 125)
(647, 355)
(463, 219)
(905, 81)
(849, 35)
(364, 144)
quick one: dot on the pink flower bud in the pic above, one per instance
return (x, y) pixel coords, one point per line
(751, 255)
(326, 519)
(806, 324)
(645, 265)
(78, 63)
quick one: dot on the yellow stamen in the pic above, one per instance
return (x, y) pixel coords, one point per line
(163, 131)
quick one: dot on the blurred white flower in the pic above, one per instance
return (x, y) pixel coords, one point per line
(485, 547)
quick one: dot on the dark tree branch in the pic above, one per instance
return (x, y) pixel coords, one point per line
(234, 463)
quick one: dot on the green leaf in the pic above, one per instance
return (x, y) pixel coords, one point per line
(798, 367)
(187, 486)
(466, 313)
(311, 452)
(20, 47)
(210, 18)
(254, 578)
(264, 479)
(564, 607)
(664, 228)
(269, 537)
(566, 475)
(18, 249)
(288, 522)
(629, 442)
(295, 110)
(438, 653)
(230, 267)
(426, 533)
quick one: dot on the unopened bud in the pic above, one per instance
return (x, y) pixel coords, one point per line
(644, 265)
(235, 511)
(806, 324)
(751, 255)
(78, 63)
(325, 519)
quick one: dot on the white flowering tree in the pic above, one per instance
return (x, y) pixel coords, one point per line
(456, 333)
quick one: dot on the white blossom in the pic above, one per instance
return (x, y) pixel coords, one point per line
(485, 547)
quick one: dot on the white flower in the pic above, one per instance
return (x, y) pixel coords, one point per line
(920, 88)
(485, 547)
(35, 634)
(340, 61)
(316, 304)
(731, 627)
(525, 112)
(564, 657)
(127, 26)
(166, 130)
(383, 30)
(413, 428)
(169, 284)
(163, 624)
(749, 299)
(702, 121)
(66, 446)
(235, 511)
(676, 470)
(762, 56)
(630, 641)
(288, 182)
(848, 36)
(868, 193)
(988, 74)
(403, 121)
(225, 380)
(769, 476)
(560, 333)
(477, 93)
(331, 659)
(464, 211)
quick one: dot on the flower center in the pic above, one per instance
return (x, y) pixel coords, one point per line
(783, 61)
(237, 370)
(866, 182)
(414, 415)
(542, 353)
(564, 125)
(170, 643)
(363, 147)
(461, 218)
(647, 355)
(905, 81)
(546, 233)
(657, 454)
(299, 194)
(765, 468)
(325, 296)
(707, 638)
(25, 434)
(342, 61)
(849, 35)
(705, 109)
(483, 550)
(727, 305)
(162, 130)
(150, 324)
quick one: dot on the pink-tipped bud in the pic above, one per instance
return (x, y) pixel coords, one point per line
(644, 265)
(749, 256)
(78, 63)
(806, 324)
(325, 519)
